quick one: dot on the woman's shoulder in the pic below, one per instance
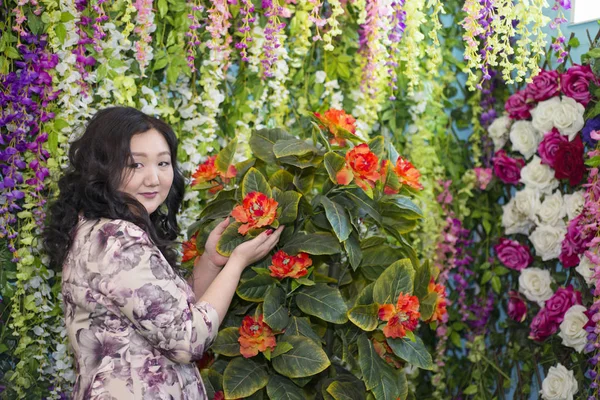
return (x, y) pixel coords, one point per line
(112, 228)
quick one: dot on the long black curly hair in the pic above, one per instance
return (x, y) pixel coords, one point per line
(90, 184)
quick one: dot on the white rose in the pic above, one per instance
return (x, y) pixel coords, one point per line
(568, 117)
(552, 210)
(547, 240)
(539, 176)
(586, 270)
(498, 131)
(559, 384)
(571, 329)
(525, 138)
(543, 114)
(513, 221)
(527, 202)
(534, 283)
(574, 204)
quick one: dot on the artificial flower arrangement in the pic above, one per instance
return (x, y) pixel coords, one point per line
(337, 305)
(552, 219)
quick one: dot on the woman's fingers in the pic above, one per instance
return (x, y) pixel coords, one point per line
(273, 238)
(220, 228)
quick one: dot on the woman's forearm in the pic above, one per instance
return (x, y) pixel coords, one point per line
(220, 292)
(203, 275)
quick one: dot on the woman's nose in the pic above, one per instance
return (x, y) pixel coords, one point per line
(152, 177)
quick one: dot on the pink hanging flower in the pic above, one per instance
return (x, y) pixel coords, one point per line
(484, 176)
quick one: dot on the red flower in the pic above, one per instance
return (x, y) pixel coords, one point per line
(401, 318)
(286, 266)
(257, 210)
(407, 173)
(255, 336)
(207, 172)
(440, 313)
(335, 120)
(517, 308)
(362, 165)
(568, 161)
(189, 249)
(507, 169)
(219, 395)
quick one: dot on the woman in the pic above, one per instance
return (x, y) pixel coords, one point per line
(134, 324)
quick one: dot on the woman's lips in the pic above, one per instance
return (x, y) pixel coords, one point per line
(149, 195)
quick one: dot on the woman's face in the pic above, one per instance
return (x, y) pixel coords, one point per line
(149, 175)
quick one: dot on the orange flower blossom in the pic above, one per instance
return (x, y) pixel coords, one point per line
(208, 172)
(257, 210)
(440, 313)
(255, 336)
(362, 165)
(404, 316)
(407, 173)
(335, 120)
(286, 266)
(189, 249)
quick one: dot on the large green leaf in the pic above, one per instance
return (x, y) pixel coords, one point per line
(230, 239)
(301, 326)
(254, 181)
(345, 391)
(313, 243)
(323, 301)
(288, 202)
(402, 205)
(376, 145)
(281, 179)
(427, 305)
(333, 163)
(398, 223)
(397, 278)
(412, 352)
(364, 203)
(281, 388)
(352, 247)
(243, 377)
(225, 157)
(254, 289)
(276, 314)
(304, 181)
(422, 277)
(377, 375)
(293, 147)
(306, 359)
(364, 316)
(336, 214)
(213, 382)
(393, 386)
(227, 343)
(261, 143)
(365, 296)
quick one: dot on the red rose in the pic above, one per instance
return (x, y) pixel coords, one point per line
(513, 254)
(549, 146)
(517, 107)
(517, 308)
(568, 162)
(576, 81)
(544, 86)
(563, 299)
(507, 169)
(542, 326)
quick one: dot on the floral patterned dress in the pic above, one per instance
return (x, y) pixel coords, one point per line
(134, 325)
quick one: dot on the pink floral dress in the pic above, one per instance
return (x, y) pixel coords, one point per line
(134, 325)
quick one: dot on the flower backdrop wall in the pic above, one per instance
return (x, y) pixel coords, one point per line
(217, 70)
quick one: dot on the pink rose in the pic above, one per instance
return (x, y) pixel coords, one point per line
(517, 107)
(507, 169)
(542, 326)
(517, 308)
(513, 254)
(576, 81)
(544, 86)
(557, 305)
(549, 146)
(574, 244)
(484, 176)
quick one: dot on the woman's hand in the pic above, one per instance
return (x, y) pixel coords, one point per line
(254, 250)
(210, 248)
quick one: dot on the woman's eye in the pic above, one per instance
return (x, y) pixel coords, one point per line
(164, 164)
(135, 165)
